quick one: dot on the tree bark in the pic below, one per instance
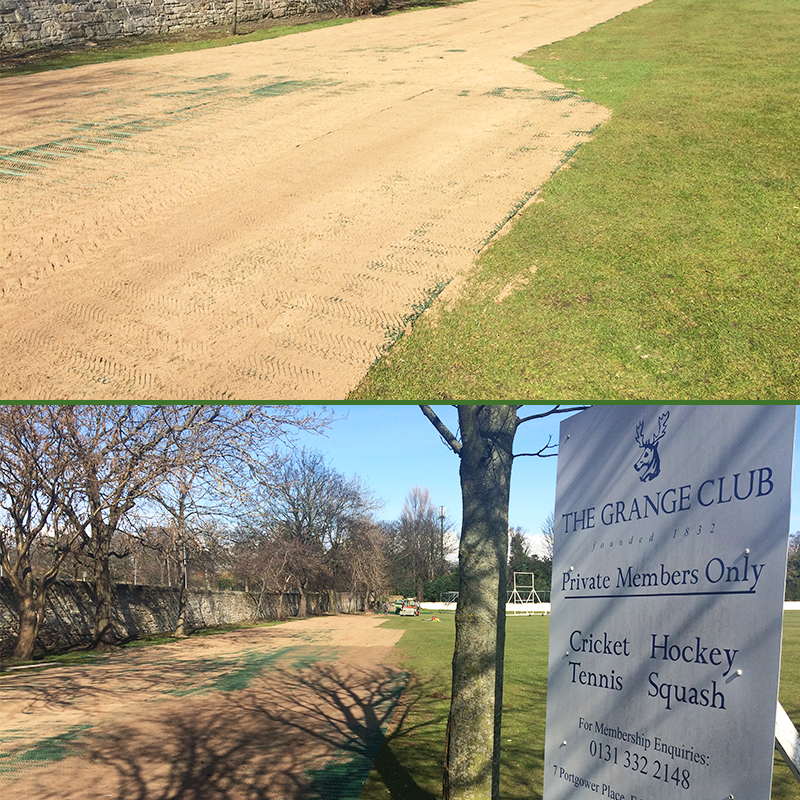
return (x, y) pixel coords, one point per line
(28, 627)
(32, 601)
(103, 638)
(180, 625)
(472, 768)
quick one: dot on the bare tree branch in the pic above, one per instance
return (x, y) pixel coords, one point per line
(450, 440)
(542, 451)
(554, 410)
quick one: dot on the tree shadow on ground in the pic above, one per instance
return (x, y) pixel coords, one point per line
(310, 733)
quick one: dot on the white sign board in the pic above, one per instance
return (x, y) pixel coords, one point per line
(669, 565)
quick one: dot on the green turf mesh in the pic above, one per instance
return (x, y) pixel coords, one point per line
(343, 776)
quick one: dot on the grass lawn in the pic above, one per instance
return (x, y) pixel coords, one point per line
(664, 262)
(409, 765)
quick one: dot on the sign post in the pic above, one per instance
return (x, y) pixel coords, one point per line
(669, 565)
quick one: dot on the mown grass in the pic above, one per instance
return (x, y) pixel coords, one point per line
(784, 785)
(409, 765)
(663, 263)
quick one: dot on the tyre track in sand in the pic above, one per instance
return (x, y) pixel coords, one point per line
(262, 221)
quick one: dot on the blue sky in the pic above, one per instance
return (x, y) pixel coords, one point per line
(393, 448)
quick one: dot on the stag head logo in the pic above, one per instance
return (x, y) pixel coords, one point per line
(649, 463)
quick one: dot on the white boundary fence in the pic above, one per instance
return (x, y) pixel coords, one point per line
(519, 608)
(544, 608)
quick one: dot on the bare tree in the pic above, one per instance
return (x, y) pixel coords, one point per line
(214, 550)
(221, 466)
(120, 454)
(367, 562)
(125, 455)
(260, 561)
(312, 509)
(34, 484)
(793, 568)
(421, 539)
(519, 551)
(548, 531)
(485, 450)
(179, 501)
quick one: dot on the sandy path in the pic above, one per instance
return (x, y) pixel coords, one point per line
(282, 712)
(259, 221)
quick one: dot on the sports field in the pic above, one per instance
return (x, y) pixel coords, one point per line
(309, 709)
(410, 763)
(261, 221)
(664, 262)
(286, 711)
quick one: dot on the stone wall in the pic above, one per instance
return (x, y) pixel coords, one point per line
(32, 24)
(142, 610)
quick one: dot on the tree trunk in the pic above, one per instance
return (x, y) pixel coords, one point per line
(31, 597)
(180, 626)
(472, 768)
(28, 627)
(302, 611)
(103, 636)
(180, 629)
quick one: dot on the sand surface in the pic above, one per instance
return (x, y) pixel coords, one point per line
(261, 221)
(296, 710)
